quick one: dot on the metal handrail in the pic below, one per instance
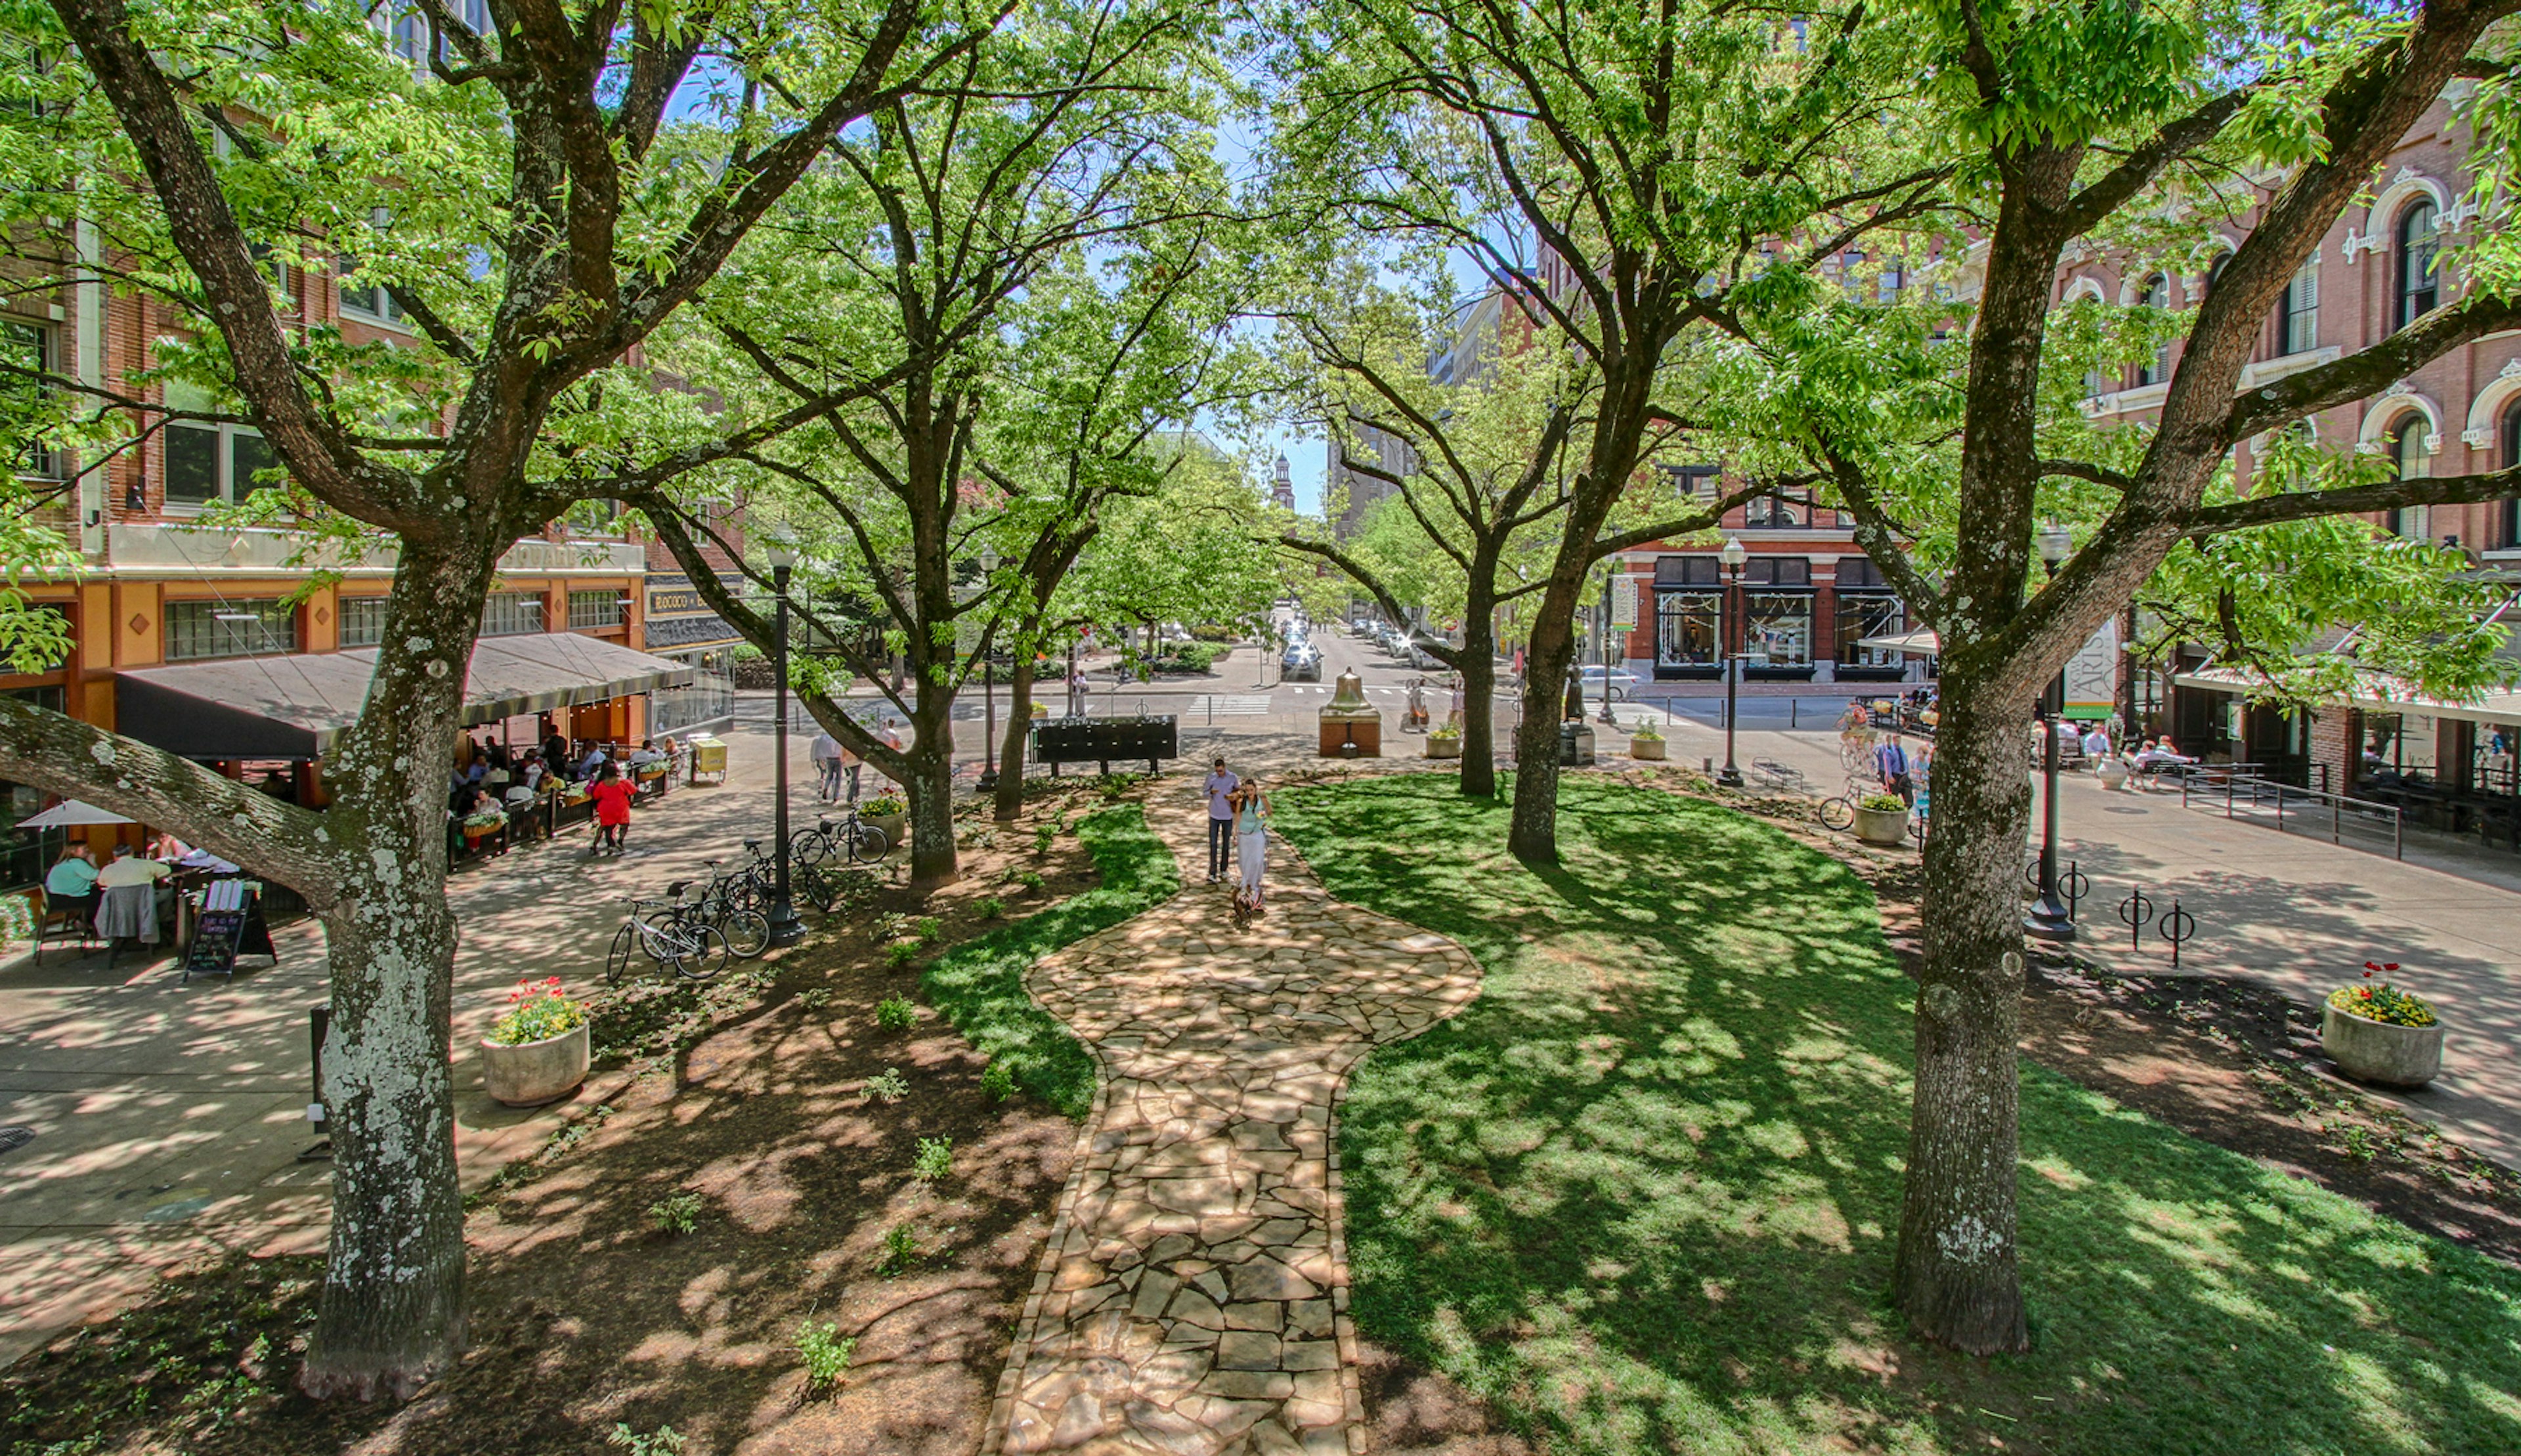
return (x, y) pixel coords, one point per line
(2259, 788)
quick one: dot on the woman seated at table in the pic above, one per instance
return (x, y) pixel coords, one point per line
(71, 887)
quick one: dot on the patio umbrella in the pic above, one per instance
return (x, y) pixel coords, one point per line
(70, 811)
(1920, 643)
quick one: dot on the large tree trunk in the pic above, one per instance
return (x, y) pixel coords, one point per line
(1957, 1276)
(1532, 837)
(1007, 805)
(391, 1314)
(1479, 698)
(929, 785)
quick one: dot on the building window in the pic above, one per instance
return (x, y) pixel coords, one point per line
(196, 631)
(2298, 324)
(367, 297)
(2508, 514)
(594, 609)
(34, 348)
(2157, 295)
(207, 463)
(363, 620)
(1689, 617)
(1867, 608)
(2407, 452)
(512, 613)
(1777, 621)
(1776, 512)
(2418, 281)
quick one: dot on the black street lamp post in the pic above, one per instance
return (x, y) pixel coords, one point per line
(2049, 919)
(1733, 555)
(989, 695)
(1609, 717)
(786, 928)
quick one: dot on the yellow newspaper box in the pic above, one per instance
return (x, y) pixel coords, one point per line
(708, 757)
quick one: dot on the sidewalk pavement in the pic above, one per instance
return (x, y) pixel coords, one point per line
(168, 1118)
(2286, 909)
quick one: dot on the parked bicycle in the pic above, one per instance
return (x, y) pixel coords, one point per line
(811, 883)
(686, 947)
(725, 902)
(847, 838)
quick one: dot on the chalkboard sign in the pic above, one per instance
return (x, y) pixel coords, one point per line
(219, 936)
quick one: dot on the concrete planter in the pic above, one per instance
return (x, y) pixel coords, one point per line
(536, 1071)
(1647, 748)
(2112, 772)
(891, 826)
(1443, 747)
(1887, 827)
(2379, 1051)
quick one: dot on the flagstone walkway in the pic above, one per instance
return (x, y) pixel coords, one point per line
(1193, 1298)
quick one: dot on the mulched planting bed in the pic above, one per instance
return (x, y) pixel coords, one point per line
(776, 1116)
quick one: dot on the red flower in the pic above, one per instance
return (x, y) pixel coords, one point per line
(2367, 993)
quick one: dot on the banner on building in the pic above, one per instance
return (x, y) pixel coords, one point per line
(1624, 601)
(2092, 675)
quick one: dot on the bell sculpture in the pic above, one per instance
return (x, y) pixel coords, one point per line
(1351, 727)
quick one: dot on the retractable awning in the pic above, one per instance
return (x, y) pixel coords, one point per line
(2373, 692)
(294, 705)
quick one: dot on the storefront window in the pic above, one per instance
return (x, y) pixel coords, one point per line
(363, 620)
(198, 630)
(2399, 746)
(1686, 629)
(1862, 615)
(512, 614)
(1780, 629)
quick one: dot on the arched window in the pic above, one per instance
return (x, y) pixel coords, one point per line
(2157, 295)
(2507, 522)
(2408, 450)
(2417, 286)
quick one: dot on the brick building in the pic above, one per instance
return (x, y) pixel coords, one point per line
(164, 604)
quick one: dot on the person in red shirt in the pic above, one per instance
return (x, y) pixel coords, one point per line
(612, 795)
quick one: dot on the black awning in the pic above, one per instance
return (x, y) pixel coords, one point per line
(294, 705)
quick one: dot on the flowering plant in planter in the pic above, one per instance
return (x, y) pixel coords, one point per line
(536, 1013)
(1884, 804)
(484, 821)
(883, 807)
(2382, 1003)
(1448, 731)
(1647, 731)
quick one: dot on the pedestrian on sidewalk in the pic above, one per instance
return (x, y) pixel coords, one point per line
(1220, 818)
(612, 795)
(1252, 814)
(1891, 760)
(1076, 692)
(826, 755)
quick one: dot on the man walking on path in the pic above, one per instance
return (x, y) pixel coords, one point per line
(1220, 819)
(826, 755)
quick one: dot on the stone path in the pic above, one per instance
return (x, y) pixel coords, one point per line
(1193, 1298)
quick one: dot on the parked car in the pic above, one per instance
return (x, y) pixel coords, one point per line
(1300, 663)
(1620, 681)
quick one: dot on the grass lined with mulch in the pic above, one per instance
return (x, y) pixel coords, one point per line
(978, 985)
(1642, 1194)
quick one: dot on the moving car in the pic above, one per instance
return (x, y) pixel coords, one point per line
(1300, 663)
(1620, 681)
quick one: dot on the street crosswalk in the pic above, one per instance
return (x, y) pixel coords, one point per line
(1227, 705)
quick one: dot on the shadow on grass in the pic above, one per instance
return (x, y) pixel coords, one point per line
(1642, 1194)
(978, 985)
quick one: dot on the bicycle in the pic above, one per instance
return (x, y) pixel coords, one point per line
(810, 881)
(723, 902)
(693, 951)
(849, 836)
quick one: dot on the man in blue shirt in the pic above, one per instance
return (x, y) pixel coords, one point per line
(1220, 819)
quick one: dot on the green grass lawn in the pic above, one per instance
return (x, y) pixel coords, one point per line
(1642, 1193)
(979, 984)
